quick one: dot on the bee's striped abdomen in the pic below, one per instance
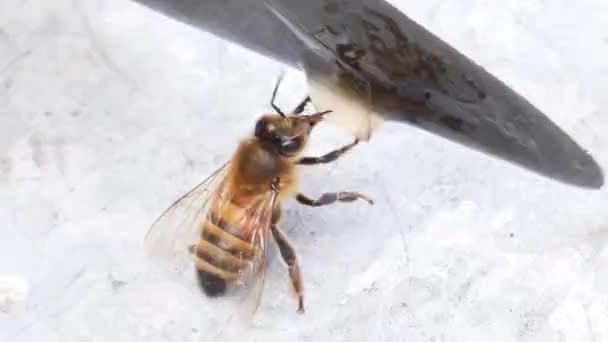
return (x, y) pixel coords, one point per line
(223, 253)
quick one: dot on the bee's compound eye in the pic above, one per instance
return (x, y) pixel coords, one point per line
(260, 128)
(290, 146)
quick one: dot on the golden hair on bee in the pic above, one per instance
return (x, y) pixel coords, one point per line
(238, 207)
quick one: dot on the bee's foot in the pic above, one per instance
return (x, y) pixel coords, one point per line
(301, 305)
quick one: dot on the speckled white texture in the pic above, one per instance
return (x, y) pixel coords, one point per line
(109, 111)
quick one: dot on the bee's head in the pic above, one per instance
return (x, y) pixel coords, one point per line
(287, 135)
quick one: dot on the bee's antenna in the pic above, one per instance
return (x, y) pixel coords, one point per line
(274, 95)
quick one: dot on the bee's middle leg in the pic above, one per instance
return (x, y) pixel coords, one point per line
(332, 197)
(289, 256)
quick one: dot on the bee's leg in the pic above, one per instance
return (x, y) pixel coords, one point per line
(274, 185)
(329, 157)
(332, 197)
(300, 108)
(289, 256)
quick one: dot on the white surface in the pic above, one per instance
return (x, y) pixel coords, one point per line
(108, 112)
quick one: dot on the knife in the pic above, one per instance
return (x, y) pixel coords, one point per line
(368, 62)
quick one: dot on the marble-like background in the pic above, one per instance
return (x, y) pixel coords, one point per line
(109, 111)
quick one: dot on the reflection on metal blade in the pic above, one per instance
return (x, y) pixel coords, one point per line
(369, 59)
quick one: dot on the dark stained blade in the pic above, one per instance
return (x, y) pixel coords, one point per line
(369, 53)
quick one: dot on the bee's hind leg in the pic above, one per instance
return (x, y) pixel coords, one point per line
(289, 256)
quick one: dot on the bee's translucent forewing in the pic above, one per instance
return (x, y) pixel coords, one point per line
(255, 225)
(259, 240)
(178, 228)
(176, 232)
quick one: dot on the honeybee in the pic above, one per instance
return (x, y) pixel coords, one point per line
(225, 221)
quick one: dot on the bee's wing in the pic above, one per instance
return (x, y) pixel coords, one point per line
(260, 221)
(178, 228)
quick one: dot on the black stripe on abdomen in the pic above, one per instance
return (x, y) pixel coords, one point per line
(221, 256)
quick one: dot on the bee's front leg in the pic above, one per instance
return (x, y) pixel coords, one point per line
(328, 157)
